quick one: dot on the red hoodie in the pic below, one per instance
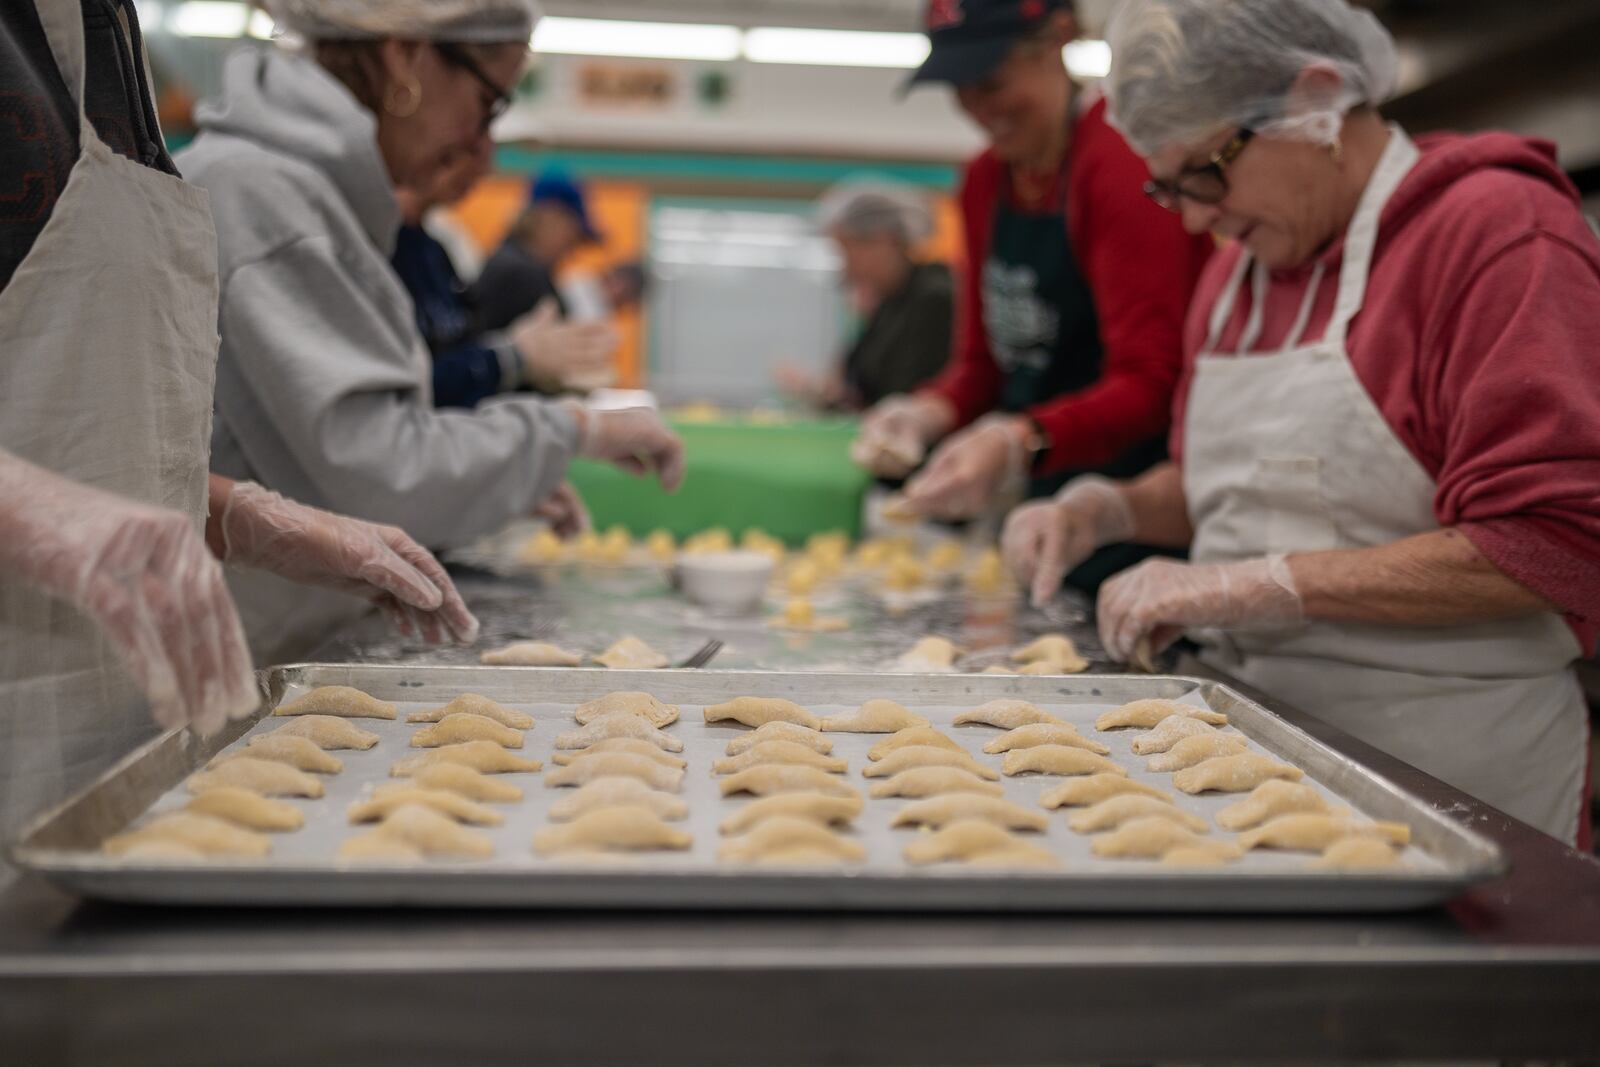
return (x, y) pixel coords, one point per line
(1141, 267)
(1478, 344)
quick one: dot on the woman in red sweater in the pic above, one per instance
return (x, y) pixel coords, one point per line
(1070, 319)
(1388, 452)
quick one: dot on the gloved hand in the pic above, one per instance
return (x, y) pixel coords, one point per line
(263, 531)
(144, 575)
(634, 439)
(560, 356)
(972, 470)
(821, 391)
(1160, 599)
(1045, 541)
(894, 435)
(565, 511)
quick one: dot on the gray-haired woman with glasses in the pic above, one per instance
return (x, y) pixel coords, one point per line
(324, 382)
(1387, 458)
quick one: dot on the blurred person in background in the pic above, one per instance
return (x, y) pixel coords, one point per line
(617, 290)
(522, 273)
(625, 286)
(907, 307)
(470, 365)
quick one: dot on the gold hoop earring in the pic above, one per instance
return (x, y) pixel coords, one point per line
(413, 99)
(1336, 150)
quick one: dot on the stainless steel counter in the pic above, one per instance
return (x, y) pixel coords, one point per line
(1511, 971)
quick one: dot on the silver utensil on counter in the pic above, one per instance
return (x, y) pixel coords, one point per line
(707, 653)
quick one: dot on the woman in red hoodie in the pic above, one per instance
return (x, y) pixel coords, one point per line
(1388, 445)
(1070, 318)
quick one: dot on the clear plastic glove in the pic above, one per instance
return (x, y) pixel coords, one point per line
(559, 356)
(565, 511)
(972, 470)
(1159, 599)
(263, 531)
(1045, 541)
(635, 440)
(894, 435)
(144, 575)
(821, 391)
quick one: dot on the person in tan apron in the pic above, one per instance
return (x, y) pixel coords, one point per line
(1366, 528)
(113, 608)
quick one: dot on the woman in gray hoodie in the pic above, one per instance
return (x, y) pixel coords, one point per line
(323, 387)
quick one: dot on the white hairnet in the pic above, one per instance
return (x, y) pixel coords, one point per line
(1183, 69)
(464, 21)
(869, 207)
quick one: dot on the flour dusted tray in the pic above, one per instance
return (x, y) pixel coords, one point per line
(1443, 860)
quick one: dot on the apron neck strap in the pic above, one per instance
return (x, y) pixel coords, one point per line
(1222, 310)
(1298, 332)
(1259, 283)
(63, 26)
(1361, 242)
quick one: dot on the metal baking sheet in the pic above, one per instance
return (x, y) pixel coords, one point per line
(1444, 859)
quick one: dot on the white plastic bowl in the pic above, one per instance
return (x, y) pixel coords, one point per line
(727, 581)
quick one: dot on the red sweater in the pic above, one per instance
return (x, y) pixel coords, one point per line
(1478, 344)
(1141, 267)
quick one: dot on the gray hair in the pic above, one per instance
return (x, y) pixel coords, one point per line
(464, 21)
(1184, 69)
(872, 207)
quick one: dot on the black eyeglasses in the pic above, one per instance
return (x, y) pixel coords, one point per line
(457, 56)
(1207, 184)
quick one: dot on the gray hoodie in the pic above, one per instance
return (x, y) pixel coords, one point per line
(323, 385)
(324, 391)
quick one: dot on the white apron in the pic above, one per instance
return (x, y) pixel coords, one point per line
(108, 352)
(1287, 453)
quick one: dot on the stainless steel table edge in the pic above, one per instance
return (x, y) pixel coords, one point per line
(804, 1014)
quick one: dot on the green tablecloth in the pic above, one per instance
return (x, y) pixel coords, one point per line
(791, 480)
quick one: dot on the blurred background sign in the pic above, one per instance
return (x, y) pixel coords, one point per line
(635, 87)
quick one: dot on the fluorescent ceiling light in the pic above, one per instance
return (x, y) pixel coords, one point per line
(1414, 73)
(1088, 58)
(209, 18)
(261, 25)
(835, 48)
(151, 12)
(646, 40)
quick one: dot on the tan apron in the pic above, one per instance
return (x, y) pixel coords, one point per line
(109, 335)
(1287, 453)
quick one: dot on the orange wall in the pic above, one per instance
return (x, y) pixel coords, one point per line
(948, 245)
(621, 213)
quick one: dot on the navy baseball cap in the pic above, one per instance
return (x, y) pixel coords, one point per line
(970, 38)
(557, 187)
